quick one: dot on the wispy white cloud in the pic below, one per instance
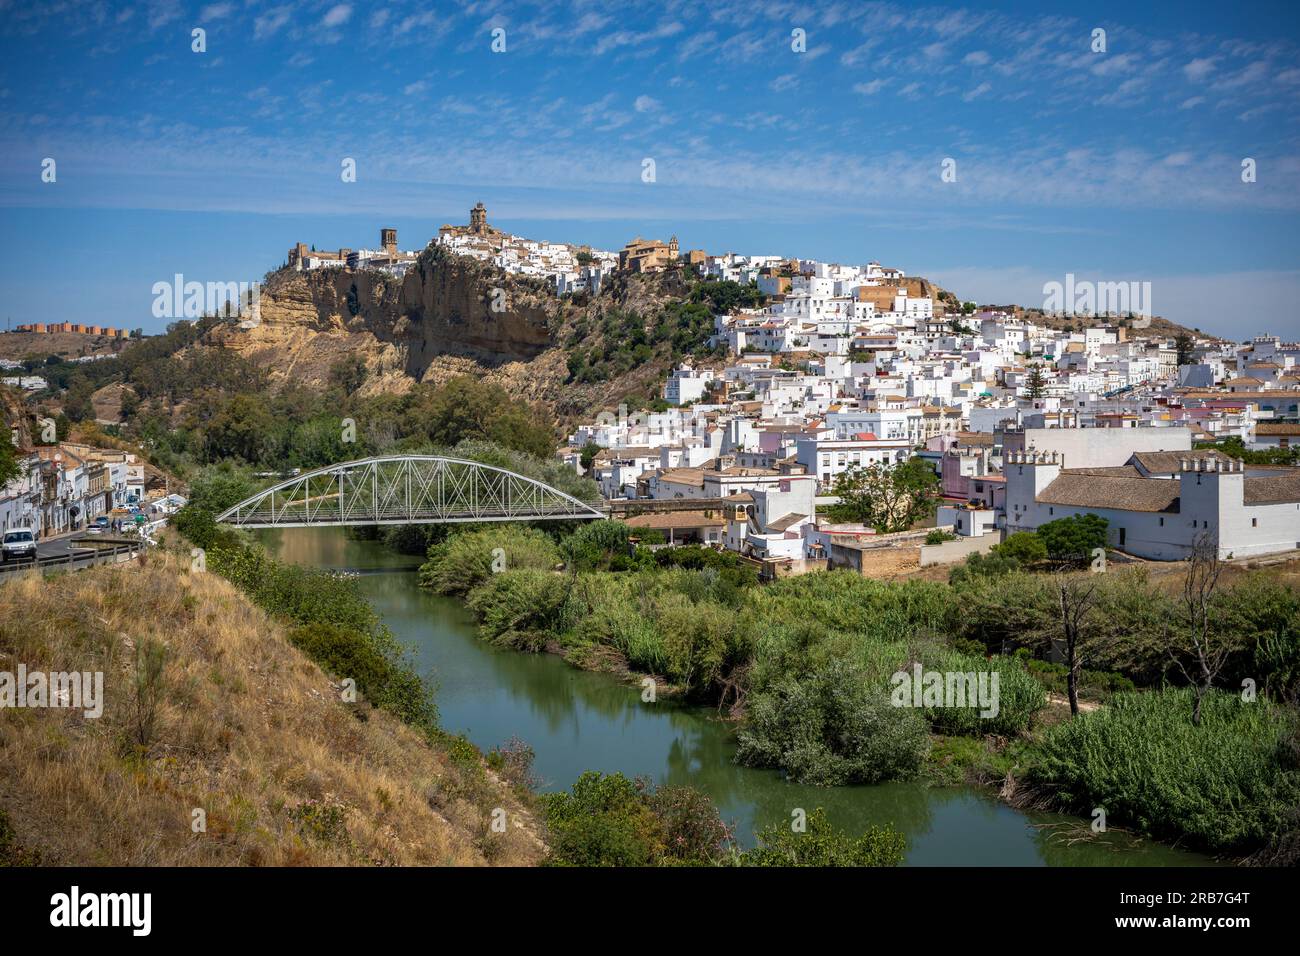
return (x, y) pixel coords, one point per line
(216, 11)
(268, 24)
(625, 38)
(337, 15)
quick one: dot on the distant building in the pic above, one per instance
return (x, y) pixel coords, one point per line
(478, 226)
(647, 255)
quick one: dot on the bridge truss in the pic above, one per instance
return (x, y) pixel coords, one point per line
(405, 489)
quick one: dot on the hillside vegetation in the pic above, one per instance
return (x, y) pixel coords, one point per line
(209, 706)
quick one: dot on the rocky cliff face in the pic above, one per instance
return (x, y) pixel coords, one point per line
(445, 306)
(449, 315)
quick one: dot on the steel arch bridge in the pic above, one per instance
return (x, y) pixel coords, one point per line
(405, 489)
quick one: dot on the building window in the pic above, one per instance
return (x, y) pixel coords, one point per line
(1254, 522)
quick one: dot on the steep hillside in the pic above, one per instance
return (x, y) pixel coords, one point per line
(247, 729)
(449, 315)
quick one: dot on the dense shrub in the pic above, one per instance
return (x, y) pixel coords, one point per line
(1052, 677)
(1229, 784)
(609, 820)
(379, 672)
(823, 845)
(595, 544)
(832, 727)
(1025, 547)
(1019, 696)
(519, 608)
(991, 565)
(1074, 538)
(463, 561)
(622, 626)
(693, 832)
(733, 570)
(844, 602)
(1265, 612)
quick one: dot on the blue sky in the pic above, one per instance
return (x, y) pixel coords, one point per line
(1122, 165)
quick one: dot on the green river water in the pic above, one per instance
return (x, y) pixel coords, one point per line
(577, 721)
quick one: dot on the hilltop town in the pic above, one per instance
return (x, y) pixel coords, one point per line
(804, 372)
(1026, 415)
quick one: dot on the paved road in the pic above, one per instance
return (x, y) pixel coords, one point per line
(60, 547)
(50, 547)
(53, 547)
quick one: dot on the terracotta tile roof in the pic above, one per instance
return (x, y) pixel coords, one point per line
(1111, 471)
(1167, 462)
(1277, 428)
(683, 476)
(1125, 494)
(675, 520)
(1273, 490)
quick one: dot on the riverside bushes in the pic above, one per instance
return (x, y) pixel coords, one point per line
(806, 664)
(809, 657)
(1020, 696)
(518, 608)
(1231, 783)
(832, 726)
(823, 845)
(464, 561)
(609, 820)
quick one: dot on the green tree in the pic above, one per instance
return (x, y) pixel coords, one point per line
(241, 428)
(1036, 382)
(887, 498)
(9, 467)
(349, 373)
(1073, 539)
(823, 845)
(318, 442)
(468, 408)
(1025, 546)
(1183, 344)
(609, 820)
(77, 402)
(217, 487)
(589, 453)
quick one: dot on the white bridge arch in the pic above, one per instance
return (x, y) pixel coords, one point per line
(405, 489)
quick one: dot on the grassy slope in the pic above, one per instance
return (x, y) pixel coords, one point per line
(249, 729)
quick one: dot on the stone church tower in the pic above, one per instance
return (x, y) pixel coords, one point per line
(478, 223)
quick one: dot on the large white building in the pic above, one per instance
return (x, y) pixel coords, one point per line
(1243, 511)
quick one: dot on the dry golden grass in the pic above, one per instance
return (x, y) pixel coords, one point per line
(249, 730)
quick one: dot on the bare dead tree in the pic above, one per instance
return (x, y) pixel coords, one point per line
(1077, 598)
(1203, 656)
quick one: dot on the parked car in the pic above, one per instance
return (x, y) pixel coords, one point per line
(18, 544)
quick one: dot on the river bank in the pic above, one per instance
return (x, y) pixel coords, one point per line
(579, 720)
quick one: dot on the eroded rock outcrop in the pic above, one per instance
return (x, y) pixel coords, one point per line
(449, 315)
